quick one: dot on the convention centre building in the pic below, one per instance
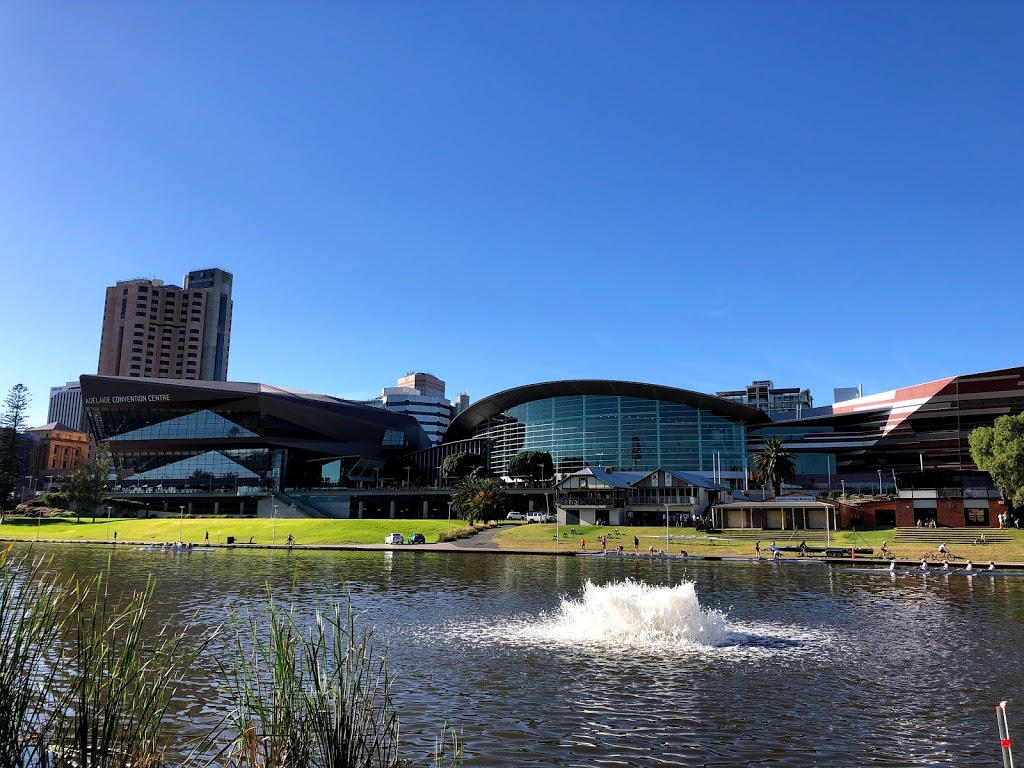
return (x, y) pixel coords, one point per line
(338, 458)
(170, 437)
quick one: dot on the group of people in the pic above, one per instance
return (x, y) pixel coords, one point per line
(1005, 519)
(923, 524)
(776, 553)
(969, 566)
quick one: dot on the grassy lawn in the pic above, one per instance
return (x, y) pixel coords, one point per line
(260, 530)
(534, 536)
(541, 537)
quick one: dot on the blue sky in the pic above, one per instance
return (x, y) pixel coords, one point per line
(500, 193)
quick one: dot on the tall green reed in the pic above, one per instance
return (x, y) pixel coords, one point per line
(30, 628)
(314, 695)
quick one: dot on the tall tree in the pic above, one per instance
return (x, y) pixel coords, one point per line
(12, 424)
(87, 485)
(476, 499)
(999, 450)
(533, 465)
(774, 464)
(463, 464)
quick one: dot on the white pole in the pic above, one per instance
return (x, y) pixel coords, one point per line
(666, 529)
(181, 521)
(273, 539)
(108, 523)
(828, 538)
(449, 517)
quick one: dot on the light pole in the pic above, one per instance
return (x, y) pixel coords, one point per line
(39, 519)
(879, 482)
(274, 538)
(449, 517)
(181, 522)
(666, 529)
(844, 488)
(108, 522)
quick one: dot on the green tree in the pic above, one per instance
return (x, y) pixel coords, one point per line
(476, 499)
(999, 450)
(12, 424)
(87, 485)
(533, 465)
(774, 464)
(463, 464)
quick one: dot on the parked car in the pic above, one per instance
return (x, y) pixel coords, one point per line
(417, 538)
(539, 517)
(515, 516)
(394, 538)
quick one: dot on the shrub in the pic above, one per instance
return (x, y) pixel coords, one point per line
(57, 499)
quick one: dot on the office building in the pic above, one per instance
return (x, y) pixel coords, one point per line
(771, 399)
(66, 406)
(422, 396)
(839, 394)
(153, 330)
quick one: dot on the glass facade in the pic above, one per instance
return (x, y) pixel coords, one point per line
(624, 433)
(172, 436)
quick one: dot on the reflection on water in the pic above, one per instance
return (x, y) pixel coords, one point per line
(545, 661)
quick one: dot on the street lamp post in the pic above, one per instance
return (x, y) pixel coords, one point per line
(181, 522)
(844, 488)
(879, 482)
(274, 538)
(449, 517)
(666, 529)
(108, 522)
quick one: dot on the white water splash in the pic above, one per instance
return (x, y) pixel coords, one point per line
(631, 614)
(623, 616)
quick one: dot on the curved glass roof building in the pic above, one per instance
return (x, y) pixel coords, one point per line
(617, 424)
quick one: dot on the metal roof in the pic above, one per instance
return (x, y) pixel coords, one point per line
(465, 423)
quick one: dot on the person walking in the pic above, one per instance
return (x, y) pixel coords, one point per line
(207, 537)
(583, 544)
(636, 546)
(757, 550)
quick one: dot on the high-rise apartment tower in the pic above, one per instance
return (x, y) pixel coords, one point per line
(152, 330)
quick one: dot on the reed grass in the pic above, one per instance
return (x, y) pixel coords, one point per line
(112, 705)
(30, 627)
(316, 696)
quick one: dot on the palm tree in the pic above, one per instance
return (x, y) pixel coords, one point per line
(774, 464)
(476, 499)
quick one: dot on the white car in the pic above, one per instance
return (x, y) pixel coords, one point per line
(394, 538)
(539, 517)
(515, 516)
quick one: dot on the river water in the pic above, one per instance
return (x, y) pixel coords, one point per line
(558, 661)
